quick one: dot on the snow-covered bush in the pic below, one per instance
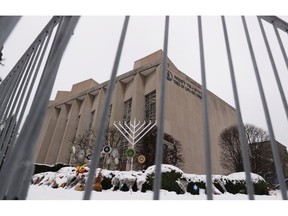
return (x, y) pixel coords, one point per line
(39, 168)
(195, 183)
(106, 180)
(236, 183)
(123, 180)
(172, 178)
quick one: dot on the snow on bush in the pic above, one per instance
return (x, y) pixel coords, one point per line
(241, 176)
(173, 179)
(164, 168)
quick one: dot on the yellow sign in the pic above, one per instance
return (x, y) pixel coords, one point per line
(141, 159)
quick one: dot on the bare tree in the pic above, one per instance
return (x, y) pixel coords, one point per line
(231, 158)
(82, 148)
(262, 161)
(172, 150)
(255, 134)
(230, 154)
(115, 159)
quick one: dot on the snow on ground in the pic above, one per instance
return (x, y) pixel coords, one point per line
(47, 193)
(44, 200)
(61, 185)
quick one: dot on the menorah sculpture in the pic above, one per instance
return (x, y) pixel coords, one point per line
(134, 132)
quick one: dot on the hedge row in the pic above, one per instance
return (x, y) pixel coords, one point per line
(173, 179)
(170, 182)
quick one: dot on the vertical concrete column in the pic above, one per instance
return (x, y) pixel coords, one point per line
(85, 114)
(118, 103)
(98, 106)
(70, 132)
(57, 137)
(46, 134)
(138, 99)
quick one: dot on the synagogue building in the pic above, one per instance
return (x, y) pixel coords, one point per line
(137, 96)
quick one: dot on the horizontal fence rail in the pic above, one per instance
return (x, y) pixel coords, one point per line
(33, 76)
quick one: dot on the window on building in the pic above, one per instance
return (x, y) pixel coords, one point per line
(127, 110)
(150, 106)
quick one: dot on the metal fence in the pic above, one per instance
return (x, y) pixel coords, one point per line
(18, 139)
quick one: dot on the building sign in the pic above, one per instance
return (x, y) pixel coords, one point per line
(191, 87)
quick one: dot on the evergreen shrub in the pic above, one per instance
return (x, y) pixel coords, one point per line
(124, 188)
(234, 187)
(106, 182)
(239, 186)
(194, 187)
(261, 188)
(169, 181)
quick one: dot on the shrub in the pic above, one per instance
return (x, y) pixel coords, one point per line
(39, 168)
(134, 187)
(194, 187)
(106, 182)
(146, 187)
(234, 187)
(261, 188)
(219, 187)
(124, 188)
(169, 180)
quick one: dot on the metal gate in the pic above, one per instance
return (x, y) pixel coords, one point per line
(19, 134)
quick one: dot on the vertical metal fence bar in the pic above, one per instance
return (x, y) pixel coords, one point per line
(104, 116)
(274, 146)
(9, 94)
(7, 24)
(17, 181)
(24, 83)
(284, 101)
(30, 70)
(11, 89)
(5, 178)
(8, 110)
(281, 45)
(160, 132)
(17, 170)
(11, 100)
(41, 100)
(7, 85)
(33, 79)
(18, 119)
(205, 115)
(4, 85)
(243, 139)
(7, 141)
(20, 87)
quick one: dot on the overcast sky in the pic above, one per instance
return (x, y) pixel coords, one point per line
(91, 52)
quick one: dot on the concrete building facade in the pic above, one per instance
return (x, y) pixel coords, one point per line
(73, 112)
